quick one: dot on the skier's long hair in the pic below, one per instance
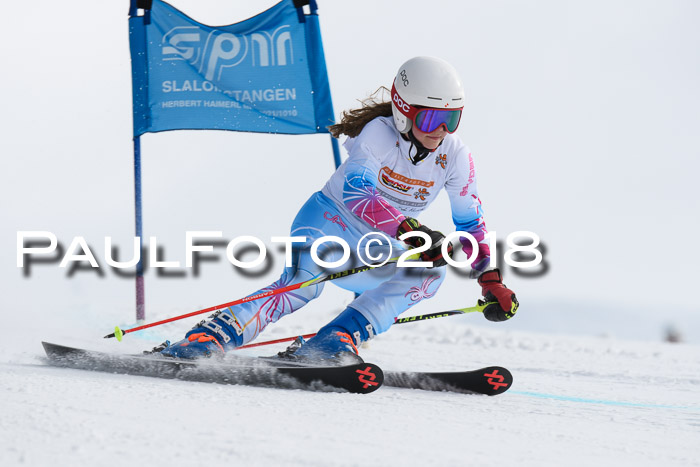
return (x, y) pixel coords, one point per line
(353, 121)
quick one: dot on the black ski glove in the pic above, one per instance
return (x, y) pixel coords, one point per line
(434, 253)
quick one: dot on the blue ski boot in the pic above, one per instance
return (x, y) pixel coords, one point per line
(207, 338)
(335, 343)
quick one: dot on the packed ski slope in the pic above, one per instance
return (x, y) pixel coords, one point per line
(575, 401)
(558, 96)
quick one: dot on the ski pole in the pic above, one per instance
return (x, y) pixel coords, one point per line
(275, 341)
(479, 307)
(119, 333)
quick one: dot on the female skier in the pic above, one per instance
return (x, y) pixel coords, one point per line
(401, 154)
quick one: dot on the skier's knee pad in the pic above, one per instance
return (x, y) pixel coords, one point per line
(352, 322)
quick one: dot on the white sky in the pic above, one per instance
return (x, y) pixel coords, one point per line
(583, 118)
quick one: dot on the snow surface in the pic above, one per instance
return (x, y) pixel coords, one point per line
(575, 401)
(590, 105)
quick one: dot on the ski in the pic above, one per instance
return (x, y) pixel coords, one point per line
(361, 378)
(491, 380)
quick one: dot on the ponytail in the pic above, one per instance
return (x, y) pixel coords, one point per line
(353, 121)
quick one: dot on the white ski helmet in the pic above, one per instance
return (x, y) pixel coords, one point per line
(424, 82)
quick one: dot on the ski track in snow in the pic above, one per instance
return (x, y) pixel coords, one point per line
(575, 401)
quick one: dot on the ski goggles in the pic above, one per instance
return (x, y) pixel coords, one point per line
(428, 119)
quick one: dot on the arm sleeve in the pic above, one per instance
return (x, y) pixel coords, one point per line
(467, 214)
(360, 193)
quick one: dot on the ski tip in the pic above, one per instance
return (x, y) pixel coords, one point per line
(498, 380)
(368, 378)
